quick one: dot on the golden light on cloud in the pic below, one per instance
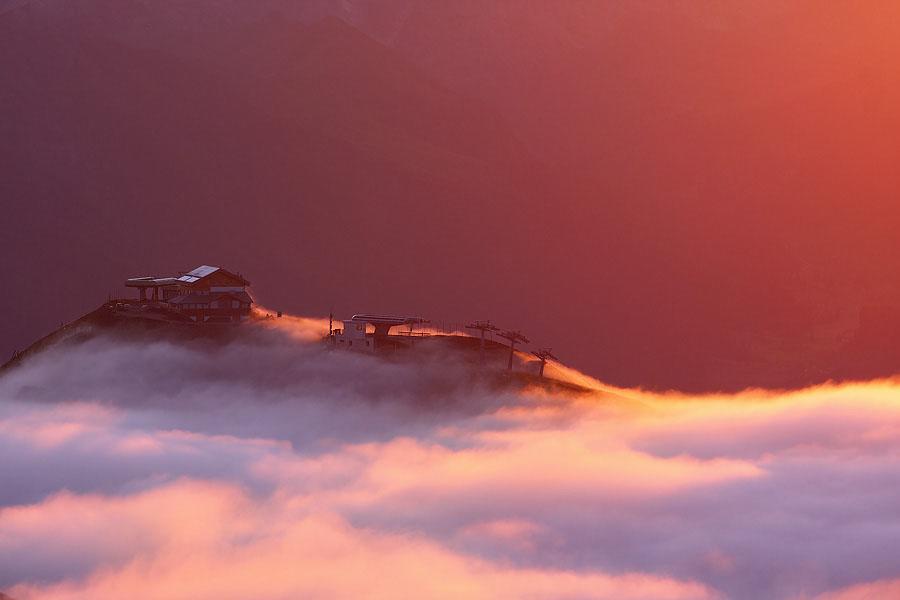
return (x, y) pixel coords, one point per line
(292, 472)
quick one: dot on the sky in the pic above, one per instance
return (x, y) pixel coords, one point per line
(272, 468)
(711, 185)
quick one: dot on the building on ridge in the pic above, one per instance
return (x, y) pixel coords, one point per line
(207, 294)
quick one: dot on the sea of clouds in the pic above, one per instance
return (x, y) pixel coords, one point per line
(270, 468)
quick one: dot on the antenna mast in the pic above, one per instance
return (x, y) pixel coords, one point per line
(482, 326)
(514, 338)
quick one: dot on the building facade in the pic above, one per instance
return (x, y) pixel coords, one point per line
(206, 295)
(371, 333)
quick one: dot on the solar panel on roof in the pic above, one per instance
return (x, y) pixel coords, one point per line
(203, 271)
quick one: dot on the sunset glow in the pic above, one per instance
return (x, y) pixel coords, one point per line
(466, 299)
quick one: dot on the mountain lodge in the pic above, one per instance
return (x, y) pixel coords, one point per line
(205, 295)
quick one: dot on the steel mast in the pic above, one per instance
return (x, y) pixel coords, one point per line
(482, 326)
(544, 354)
(514, 338)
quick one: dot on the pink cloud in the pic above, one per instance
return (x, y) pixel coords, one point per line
(276, 470)
(194, 541)
(876, 590)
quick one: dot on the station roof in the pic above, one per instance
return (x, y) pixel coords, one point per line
(150, 281)
(387, 319)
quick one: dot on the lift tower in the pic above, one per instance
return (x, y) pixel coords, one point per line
(544, 354)
(482, 326)
(514, 338)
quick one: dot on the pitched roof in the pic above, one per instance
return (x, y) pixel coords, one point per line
(198, 274)
(202, 271)
(188, 278)
(205, 271)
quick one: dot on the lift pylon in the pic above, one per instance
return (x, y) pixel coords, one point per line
(544, 354)
(482, 326)
(514, 338)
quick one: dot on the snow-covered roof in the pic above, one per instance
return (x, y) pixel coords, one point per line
(198, 274)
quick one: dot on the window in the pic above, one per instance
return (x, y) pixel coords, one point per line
(214, 304)
(235, 304)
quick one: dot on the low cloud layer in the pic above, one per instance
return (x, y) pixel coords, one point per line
(271, 468)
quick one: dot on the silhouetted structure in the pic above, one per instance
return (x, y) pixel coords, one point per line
(354, 335)
(544, 354)
(482, 326)
(514, 338)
